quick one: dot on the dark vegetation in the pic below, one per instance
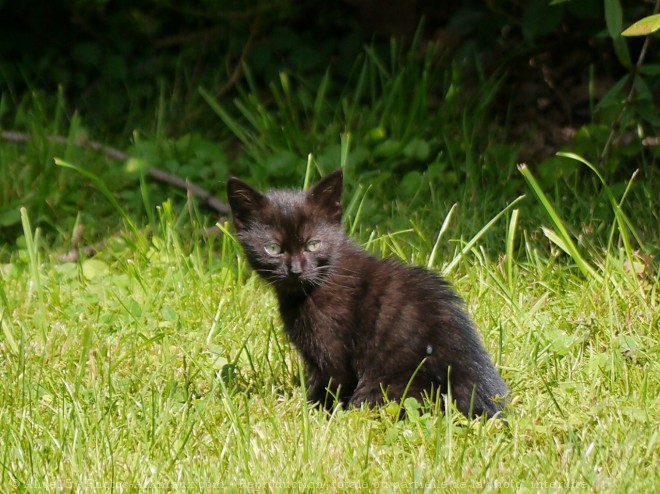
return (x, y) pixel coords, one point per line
(427, 103)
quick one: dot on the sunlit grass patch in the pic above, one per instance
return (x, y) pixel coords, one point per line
(167, 368)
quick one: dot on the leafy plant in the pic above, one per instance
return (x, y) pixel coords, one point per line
(643, 27)
(636, 108)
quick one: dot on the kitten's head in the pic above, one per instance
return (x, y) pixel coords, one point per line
(291, 238)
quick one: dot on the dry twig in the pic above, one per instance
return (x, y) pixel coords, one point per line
(205, 198)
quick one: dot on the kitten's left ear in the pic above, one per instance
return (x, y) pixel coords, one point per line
(327, 194)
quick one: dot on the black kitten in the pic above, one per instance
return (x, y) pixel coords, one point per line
(365, 327)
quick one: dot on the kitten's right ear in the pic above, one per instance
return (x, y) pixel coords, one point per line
(327, 194)
(244, 201)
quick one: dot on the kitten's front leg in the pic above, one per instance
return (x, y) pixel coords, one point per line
(369, 392)
(373, 392)
(324, 391)
(318, 389)
(316, 392)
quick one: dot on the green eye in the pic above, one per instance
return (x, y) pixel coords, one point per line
(313, 245)
(273, 249)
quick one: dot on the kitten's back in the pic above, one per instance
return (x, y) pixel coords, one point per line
(403, 315)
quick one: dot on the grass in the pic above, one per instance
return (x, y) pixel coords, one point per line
(157, 369)
(160, 363)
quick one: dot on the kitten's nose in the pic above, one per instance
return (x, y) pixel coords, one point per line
(296, 267)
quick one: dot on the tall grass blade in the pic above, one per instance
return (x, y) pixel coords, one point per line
(358, 199)
(450, 267)
(562, 236)
(319, 101)
(31, 243)
(229, 121)
(6, 329)
(622, 220)
(510, 245)
(345, 147)
(352, 107)
(308, 171)
(376, 62)
(100, 184)
(443, 229)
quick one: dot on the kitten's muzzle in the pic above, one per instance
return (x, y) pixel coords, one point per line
(295, 269)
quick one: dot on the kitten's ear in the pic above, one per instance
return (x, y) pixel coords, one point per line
(244, 201)
(327, 194)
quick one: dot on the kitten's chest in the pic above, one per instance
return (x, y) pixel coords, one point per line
(320, 327)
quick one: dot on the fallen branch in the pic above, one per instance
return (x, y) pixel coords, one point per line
(205, 198)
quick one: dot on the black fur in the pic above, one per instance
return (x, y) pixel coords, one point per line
(364, 326)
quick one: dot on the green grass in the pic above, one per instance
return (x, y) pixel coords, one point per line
(160, 362)
(166, 368)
